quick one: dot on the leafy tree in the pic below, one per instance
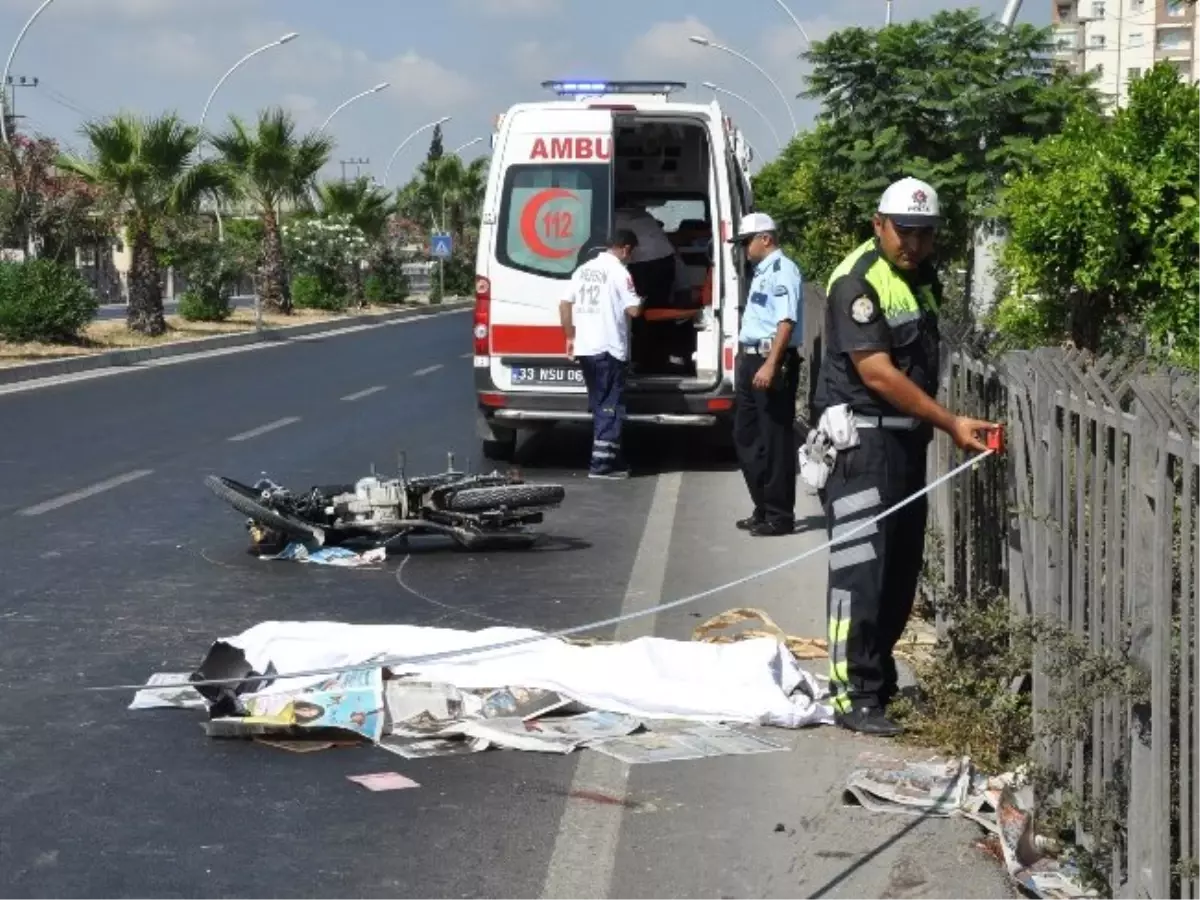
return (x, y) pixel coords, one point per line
(436, 148)
(369, 207)
(146, 167)
(447, 194)
(1104, 228)
(951, 99)
(273, 167)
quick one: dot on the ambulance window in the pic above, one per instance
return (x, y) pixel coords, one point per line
(552, 217)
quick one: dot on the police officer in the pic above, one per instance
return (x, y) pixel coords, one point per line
(595, 320)
(881, 359)
(767, 376)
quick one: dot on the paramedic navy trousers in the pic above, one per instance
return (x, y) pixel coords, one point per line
(764, 432)
(873, 575)
(604, 376)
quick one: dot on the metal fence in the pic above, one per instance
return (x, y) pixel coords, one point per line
(1089, 523)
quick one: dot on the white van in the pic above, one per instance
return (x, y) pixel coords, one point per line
(556, 168)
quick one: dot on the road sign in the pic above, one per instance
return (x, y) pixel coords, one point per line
(441, 245)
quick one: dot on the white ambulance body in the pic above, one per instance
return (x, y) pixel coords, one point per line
(556, 168)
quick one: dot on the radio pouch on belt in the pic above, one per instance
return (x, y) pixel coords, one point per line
(835, 431)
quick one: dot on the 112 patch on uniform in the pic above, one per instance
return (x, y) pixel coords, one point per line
(863, 310)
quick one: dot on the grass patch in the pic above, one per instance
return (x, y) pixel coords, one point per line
(112, 334)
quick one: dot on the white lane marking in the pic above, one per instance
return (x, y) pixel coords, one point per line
(367, 392)
(585, 850)
(466, 356)
(98, 488)
(425, 371)
(263, 429)
(33, 384)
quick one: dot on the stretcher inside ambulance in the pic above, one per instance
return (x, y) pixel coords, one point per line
(564, 173)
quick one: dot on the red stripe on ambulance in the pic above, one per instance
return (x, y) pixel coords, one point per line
(528, 340)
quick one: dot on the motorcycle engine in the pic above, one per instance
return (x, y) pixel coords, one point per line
(373, 500)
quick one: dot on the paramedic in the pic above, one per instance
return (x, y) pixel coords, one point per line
(766, 380)
(881, 361)
(596, 321)
(654, 267)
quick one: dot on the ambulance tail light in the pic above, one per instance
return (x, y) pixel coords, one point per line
(483, 315)
(729, 357)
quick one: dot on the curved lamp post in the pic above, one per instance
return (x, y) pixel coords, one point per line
(404, 143)
(375, 90)
(290, 36)
(705, 42)
(461, 147)
(8, 63)
(796, 21)
(721, 90)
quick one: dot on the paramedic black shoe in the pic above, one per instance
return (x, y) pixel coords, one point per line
(771, 529)
(610, 474)
(749, 522)
(870, 720)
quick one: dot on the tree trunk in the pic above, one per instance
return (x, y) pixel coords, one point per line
(275, 292)
(145, 313)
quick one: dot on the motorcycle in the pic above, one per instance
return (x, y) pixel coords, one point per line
(475, 511)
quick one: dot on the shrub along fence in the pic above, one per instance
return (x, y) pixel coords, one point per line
(1089, 524)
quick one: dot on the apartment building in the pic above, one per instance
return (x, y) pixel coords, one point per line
(1120, 39)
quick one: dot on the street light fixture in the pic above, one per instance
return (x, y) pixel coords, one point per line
(705, 42)
(721, 90)
(404, 143)
(461, 147)
(8, 64)
(375, 90)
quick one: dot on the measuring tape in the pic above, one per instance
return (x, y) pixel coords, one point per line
(444, 655)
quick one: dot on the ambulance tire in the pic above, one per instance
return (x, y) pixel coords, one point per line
(501, 447)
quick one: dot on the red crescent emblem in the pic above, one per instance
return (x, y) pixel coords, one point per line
(529, 222)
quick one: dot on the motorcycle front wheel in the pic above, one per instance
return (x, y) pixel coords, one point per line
(247, 501)
(509, 496)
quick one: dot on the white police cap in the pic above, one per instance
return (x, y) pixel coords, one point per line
(911, 203)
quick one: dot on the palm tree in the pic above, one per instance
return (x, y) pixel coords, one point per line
(272, 167)
(145, 166)
(446, 194)
(367, 205)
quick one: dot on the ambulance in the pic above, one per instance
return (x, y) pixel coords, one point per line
(557, 167)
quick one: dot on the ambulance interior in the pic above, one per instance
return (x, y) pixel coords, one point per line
(662, 165)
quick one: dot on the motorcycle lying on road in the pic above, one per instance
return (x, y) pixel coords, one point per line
(475, 511)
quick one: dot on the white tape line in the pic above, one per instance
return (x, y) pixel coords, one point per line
(590, 626)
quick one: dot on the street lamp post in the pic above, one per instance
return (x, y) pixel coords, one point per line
(279, 42)
(761, 115)
(404, 143)
(796, 21)
(8, 64)
(461, 147)
(705, 42)
(375, 90)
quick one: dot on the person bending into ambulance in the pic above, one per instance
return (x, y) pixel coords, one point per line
(596, 319)
(880, 369)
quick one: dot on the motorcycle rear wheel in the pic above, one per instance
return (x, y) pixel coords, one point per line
(246, 501)
(510, 496)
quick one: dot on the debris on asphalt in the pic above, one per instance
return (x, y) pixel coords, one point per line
(648, 700)
(800, 647)
(305, 746)
(329, 556)
(383, 781)
(1000, 803)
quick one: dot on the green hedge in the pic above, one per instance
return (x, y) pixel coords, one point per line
(311, 292)
(42, 300)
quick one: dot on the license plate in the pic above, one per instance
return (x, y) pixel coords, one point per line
(568, 376)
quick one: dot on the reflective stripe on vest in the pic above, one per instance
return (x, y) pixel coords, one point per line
(896, 298)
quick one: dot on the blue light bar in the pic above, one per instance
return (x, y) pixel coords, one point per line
(583, 87)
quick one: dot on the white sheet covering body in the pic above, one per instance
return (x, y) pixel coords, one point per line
(751, 681)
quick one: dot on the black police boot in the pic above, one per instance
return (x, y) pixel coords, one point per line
(748, 523)
(771, 529)
(870, 720)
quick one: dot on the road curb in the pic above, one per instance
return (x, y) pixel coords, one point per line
(133, 356)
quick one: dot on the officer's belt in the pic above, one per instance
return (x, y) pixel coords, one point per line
(762, 348)
(890, 423)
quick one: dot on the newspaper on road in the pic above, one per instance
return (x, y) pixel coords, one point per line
(553, 734)
(683, 743)
(154, 697)
(932, 787)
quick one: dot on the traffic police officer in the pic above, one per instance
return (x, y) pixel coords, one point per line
(767, 376)
(881, 360)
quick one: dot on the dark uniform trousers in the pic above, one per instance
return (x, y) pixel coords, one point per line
(764, 433)
(604, 376)
(873, 575)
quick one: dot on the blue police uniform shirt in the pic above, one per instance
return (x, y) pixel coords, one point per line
(775, 293)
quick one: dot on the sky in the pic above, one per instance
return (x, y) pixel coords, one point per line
(468, 59)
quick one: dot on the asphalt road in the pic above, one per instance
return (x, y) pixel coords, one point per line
(117, 563)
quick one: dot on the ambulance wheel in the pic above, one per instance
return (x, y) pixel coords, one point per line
(502, 446)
